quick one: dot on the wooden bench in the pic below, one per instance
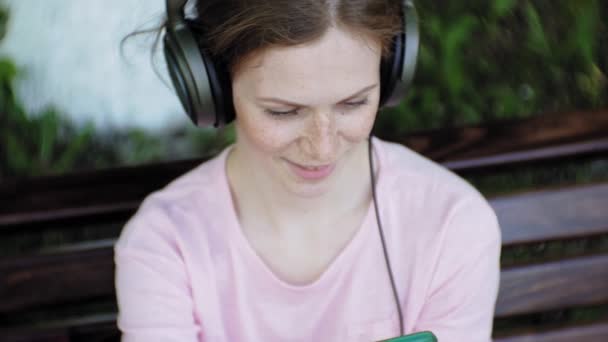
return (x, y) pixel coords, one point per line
(72, 283)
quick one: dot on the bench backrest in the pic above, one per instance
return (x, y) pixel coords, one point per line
(84, 272)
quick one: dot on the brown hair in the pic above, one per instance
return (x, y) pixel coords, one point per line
(231, 30)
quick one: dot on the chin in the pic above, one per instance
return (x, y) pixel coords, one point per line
(308, 190)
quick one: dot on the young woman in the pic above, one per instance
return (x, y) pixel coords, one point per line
(279, 238)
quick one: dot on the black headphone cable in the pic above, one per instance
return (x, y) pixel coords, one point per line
(386, 258)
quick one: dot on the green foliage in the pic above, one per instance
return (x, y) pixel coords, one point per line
(38, 143)
(500, 8)
(140, 146)
(211, 142)
(3, 20)
(500, 59)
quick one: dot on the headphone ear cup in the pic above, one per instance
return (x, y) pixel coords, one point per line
(390, 69)
(398, 71)
(221, 88)
(199, 85)
(180, 76)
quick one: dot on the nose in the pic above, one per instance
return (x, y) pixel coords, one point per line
(321, 137)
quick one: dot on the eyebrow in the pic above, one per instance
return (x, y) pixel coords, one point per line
(278, 100)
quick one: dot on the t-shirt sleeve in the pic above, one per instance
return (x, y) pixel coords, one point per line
(152, 285)
(464, 286)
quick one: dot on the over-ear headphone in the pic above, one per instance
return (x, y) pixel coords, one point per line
(203, 84)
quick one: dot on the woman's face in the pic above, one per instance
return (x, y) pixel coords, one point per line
(303, 112)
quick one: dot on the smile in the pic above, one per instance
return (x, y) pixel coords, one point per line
(309, 172)
(314, 167)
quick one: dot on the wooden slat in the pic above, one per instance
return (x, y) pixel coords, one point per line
(87, 212)
(576, 282)
(54, 335)
(124, 175)
(81, 246)
(559, 152)
(30, 281)
(590, 333)
(504, 137)
(107, 327)
(101, 192)
(553, 214)
(90, 328)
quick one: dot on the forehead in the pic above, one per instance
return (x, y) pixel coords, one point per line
(336, 65)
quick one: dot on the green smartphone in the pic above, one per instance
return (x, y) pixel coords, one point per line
(424, 336)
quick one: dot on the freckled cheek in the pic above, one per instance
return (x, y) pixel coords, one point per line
(258, 131)
(357, 127)
(267, 135)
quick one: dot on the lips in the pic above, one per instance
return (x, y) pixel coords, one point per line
(313, 168)
(311, 172)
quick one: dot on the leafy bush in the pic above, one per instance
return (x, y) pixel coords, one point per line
(492, 60)
(40, 143)
(3, 21)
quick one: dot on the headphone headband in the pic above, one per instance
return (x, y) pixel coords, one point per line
(175, 11)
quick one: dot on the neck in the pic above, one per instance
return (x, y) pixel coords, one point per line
(263, 203)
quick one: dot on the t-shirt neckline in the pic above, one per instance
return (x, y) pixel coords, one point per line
(246, 251)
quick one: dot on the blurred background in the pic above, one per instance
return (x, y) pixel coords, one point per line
(72, 101)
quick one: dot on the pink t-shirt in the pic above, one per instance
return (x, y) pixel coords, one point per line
(185, 271)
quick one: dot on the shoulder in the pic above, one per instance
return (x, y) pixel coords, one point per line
(408, 172)
(169, 214)
(400, 164)
(438, 200)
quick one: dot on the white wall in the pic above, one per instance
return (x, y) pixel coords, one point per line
(69, 50)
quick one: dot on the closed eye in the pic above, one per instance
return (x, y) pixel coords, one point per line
(356, 104)
(291, 112)
(350, 105)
